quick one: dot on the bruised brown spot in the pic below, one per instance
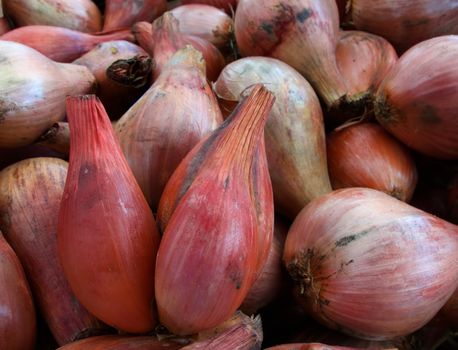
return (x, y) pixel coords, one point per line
(303, 15)
(5, 108)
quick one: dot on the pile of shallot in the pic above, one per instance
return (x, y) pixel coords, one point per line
(228, 174)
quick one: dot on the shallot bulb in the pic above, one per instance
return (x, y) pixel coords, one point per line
(32, 92)
(62, 44)
(371, 265)
(295, 139)
(365, 155)
(167, 39)
(217, 210)
(310, 346)
(124, 13)
(168, 121)
(4, 26)
(301, 33)
(418, 100)
(107, 236)
(206, 22)
(17, 317)
(30, 195)
(116, 342)
(405, 23)
(81, 15)
(363, 59)
(128, 63)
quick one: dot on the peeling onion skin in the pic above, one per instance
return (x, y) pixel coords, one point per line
(295, 139)
(405, 23)
(369, 265)
(418, 100)
(301, 33)
(365, 155)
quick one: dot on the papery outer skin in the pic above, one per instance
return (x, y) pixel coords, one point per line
(61, 44)
(295, 138)
(311, 346)
(228, 5)
(57, 139)
(215, 183)
(243, 334)
(167, 122)
(124, 13)
(366, 254)
(365, 155)
(405, 23)
(82, 15)
(167, 39)
(17, 321)
(269, 283)
(364, 59)
(301, 33)
(206, 22)
(116, 98)
(116, 342)
(30, 195)
(107, 236)
(32, 92)
(418, 100)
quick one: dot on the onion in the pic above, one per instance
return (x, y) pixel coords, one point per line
(295, 140)
(405, 23)
(206, 22)
(32, 92)
(217, 210)
(81, 15)
(167, 122)
(418, 100)
(107, 236)
(363, 59)
(301, 33)
(17, 321)
(365, 155)
(128, 63)
(370, 265)
(62, 44)
(30, 195)
(124, 13)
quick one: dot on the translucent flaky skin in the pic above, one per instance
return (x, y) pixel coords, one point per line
(370, 265)
(301, 33)
(417, 101)
(158, 131)
(216, 213)
(295, 139)
(107, 236)
(365, 155)
(405, 23)
(18, 323)
(30, 195)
